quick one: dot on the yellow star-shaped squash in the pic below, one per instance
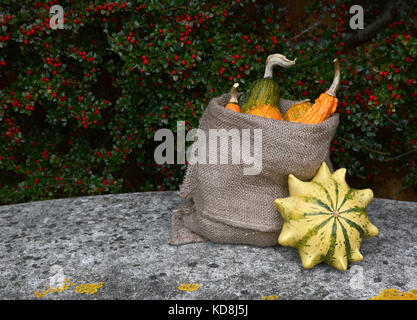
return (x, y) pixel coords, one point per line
(325, 219)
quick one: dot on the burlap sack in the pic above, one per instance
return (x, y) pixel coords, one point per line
(227, 206)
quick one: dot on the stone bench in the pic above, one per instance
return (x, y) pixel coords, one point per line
(121, 240)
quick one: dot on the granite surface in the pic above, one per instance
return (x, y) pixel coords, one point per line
(121, 240)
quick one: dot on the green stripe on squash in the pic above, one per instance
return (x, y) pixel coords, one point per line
(346, 239)
(312, 232)
(348, 196)
(314, 200)
(332, 246)
(355, 209)
(329, 198)
(355, 226)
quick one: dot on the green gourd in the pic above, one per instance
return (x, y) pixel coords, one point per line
(265, 91)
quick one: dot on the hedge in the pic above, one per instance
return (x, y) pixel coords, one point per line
(79, 106)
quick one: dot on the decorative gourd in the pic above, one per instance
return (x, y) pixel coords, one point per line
(266, 111)
(325, 219)
(265, 91)
(324, 105)
(297, 110)
(233, 103)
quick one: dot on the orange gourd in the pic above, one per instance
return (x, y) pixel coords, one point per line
(324, 105)
(266, 111)
(297, 110)
(233, 103)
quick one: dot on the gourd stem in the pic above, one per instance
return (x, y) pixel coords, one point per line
(336, 80)
(276, 59)
(233, 94)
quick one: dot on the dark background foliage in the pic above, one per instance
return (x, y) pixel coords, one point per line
(79, 107)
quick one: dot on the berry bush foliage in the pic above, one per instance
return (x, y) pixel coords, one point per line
(79, 106)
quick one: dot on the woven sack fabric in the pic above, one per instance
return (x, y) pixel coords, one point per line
(227, 206)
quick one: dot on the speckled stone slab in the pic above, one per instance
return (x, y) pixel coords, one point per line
(122, 241)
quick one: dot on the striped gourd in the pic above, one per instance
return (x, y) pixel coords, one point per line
(265, 91)
(325, 219)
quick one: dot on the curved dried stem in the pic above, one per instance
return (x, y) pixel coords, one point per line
(336, 80)
(233, 94)
(276, 59)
